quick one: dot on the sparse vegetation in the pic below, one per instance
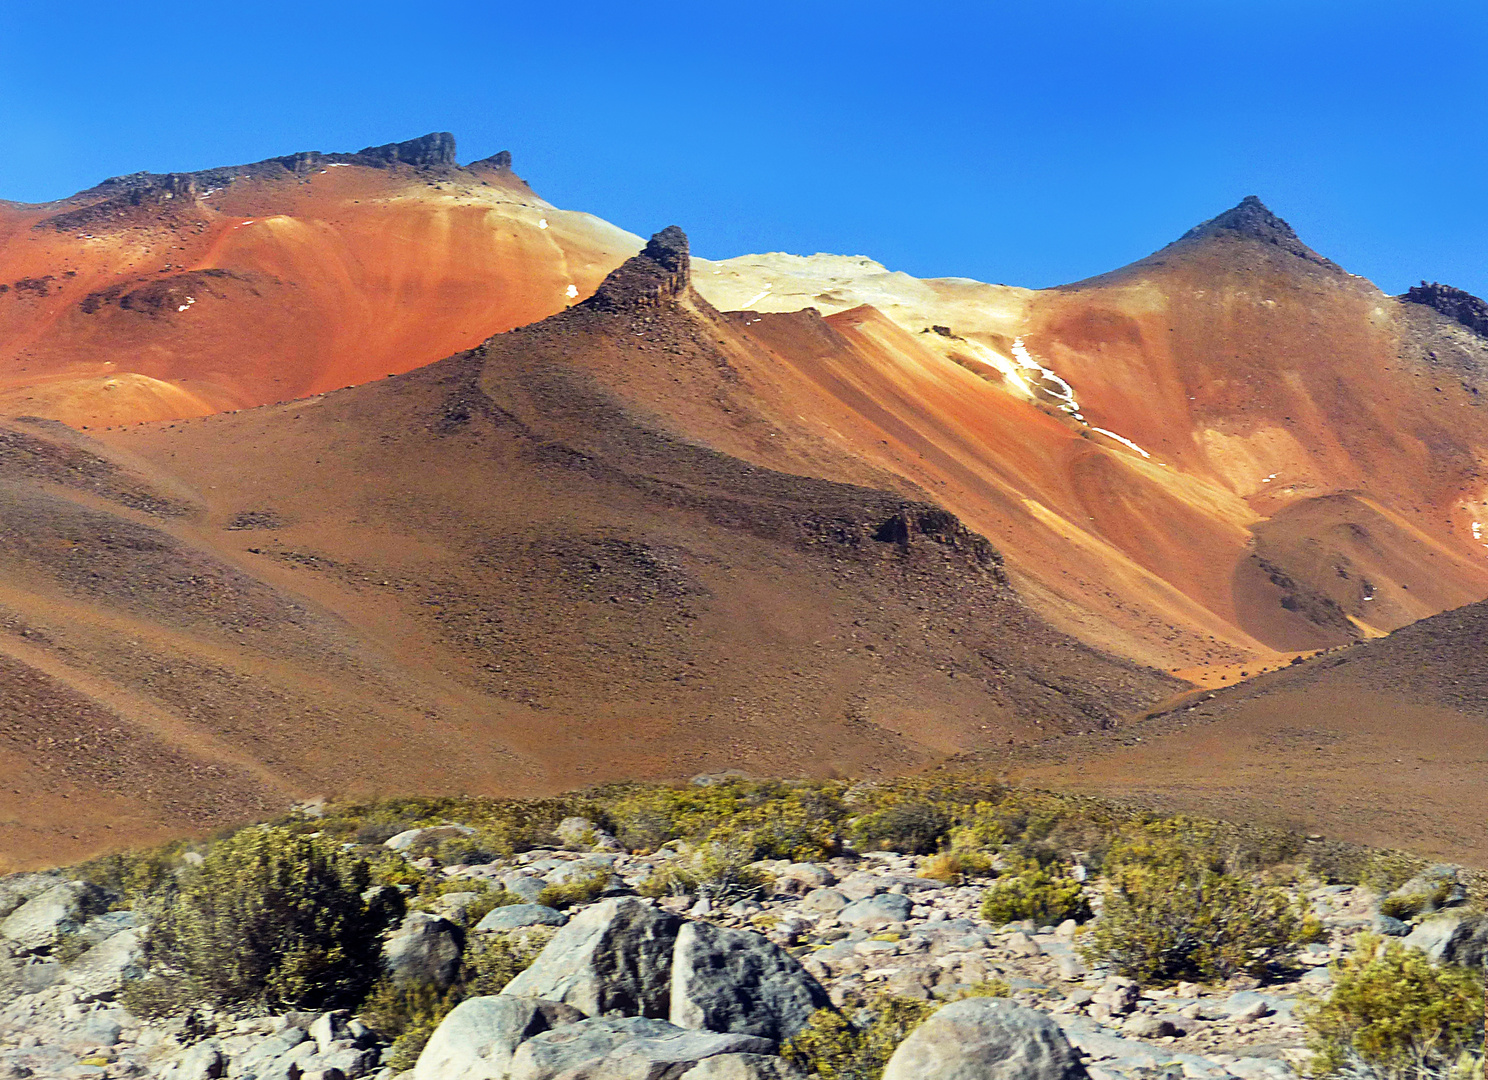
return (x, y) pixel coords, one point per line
(714, 870)
(1029, 890)
(834, 1047)
(1396, 1016)
(1171, 910)
(269, 918)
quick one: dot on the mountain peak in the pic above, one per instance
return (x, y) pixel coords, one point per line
(662, 270)
(436, 148)
(1251, 219)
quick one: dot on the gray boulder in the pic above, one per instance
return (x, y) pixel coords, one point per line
(425, 950)
(1457, 938)
(204, 1061)
(16, 889)
(876, 912)
(524, 886)
(623, 1048)
(477, 1039)
(103, 969)
(431, 834)
(743, 1067)
(615, 955)
(41, 921)
(736, 980)
(516, 916)
(861, 884)
(824, 901)
(986, 1039)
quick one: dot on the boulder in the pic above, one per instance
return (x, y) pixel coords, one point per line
(986, 1039)
(524, 886)
(103, 969)
(516, 916)
(16, 889)
(1457, 938)
(41, 921)
(580, 833)
(615, 955)
(743, 1067)
(204, 1061)
(477, 1039)
(623, 1048)
(861, 884)
(431, 834)
(876, 912)
(424, 950)
(824, 901)
(736, 980)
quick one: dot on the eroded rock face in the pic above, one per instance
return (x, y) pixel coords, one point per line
(41, 921)
(986, 1039)
(662, 271)
(624, 1048)
(736, 980)
(477, 1039)
(1456, 938)
(436, 148)
(614, 956)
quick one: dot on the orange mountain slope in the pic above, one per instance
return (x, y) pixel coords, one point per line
(165, 296)
(1222, 454)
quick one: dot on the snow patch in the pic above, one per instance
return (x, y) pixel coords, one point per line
(542, 223)
(189, 301)
(756, 299)
(1122, 439)
(573, 291)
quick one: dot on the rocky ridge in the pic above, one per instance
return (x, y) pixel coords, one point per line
(1456, 304)
(702, 987)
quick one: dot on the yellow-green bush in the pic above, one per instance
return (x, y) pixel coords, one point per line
(766, 819)
(1170, 912)
(575, 892)
(1397, 1015)
(835, 1048)
(715, 870)
(269, 918)
(955, 867)
(1027, 890)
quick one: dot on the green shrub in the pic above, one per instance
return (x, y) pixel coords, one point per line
(1170, 913)
(914, 827)
(714, 870)
(1394, 1014)
(1045, 894)
(575, 892)
(768, 819)
(408, 1016)
(131, 875)
(269, 918)
(835, 1048)
(488, 969)
(955, 867)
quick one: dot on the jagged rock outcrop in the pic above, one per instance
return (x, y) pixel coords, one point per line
(1252, 220)
(435, 149)
(662, 271)
(1456, 304)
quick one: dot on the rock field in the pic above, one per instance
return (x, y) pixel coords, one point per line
(686, 987)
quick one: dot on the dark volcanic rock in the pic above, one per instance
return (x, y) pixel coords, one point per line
(660, 272)
(1455, 304)
(1251, 220)
(436, 148)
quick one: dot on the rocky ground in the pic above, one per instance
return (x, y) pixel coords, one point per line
(840, 931)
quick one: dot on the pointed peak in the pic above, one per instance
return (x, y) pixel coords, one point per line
(662, 271)
(1252, 220)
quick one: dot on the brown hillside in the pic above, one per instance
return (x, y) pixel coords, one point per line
(493, 574)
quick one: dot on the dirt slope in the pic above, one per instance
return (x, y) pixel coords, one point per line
(497, 573)
(1382, 742)
(164, 296)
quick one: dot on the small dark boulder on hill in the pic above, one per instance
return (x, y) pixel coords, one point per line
(1456, 304)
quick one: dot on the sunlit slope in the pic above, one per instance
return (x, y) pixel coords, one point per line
(1228, 451)
(157, 297)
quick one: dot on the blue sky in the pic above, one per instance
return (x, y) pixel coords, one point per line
(1029, 143)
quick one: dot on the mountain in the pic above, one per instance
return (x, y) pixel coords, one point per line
(509, 571)
(1225, 453)
(158, 296)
